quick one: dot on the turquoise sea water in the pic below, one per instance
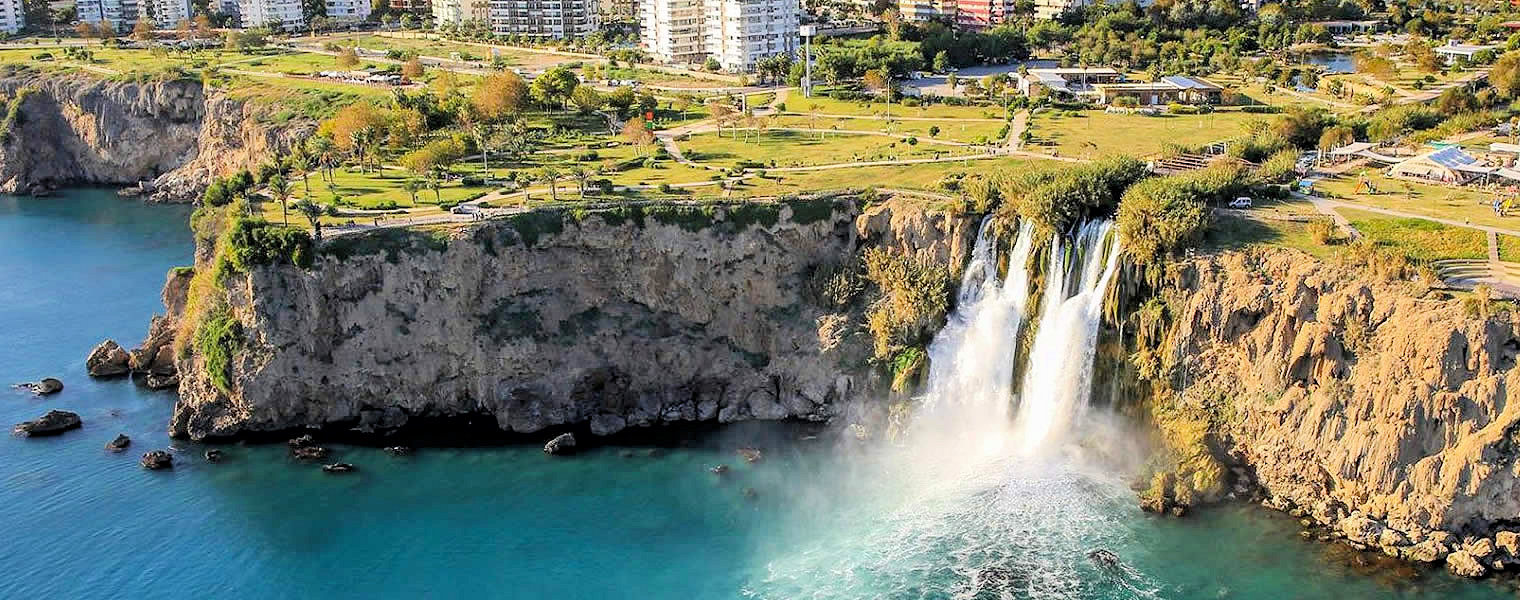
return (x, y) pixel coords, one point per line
(829, 519)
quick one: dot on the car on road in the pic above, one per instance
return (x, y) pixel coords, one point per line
(1241, 202)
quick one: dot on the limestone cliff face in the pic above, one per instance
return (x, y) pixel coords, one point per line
(173, 135)
(604, 324)
(1354, 400)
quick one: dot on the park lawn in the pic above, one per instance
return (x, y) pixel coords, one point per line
(1234, 232)
(291, 97)
(301, 63)
(831, 106)
(468, 52)
(955, 130)
(798, 148)
(1251, 92)
(662, 79)
(1509, 248)
(371, 191)
(1469, 205)
(1095, 133)
(922, 176)
(1419, 239)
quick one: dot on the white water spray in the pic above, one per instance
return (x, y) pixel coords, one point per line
(1058, 378)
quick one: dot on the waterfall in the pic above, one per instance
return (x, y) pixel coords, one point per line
(1058, 379)
(970, 381)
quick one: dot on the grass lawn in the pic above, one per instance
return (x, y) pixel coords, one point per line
(370, 191)
(798, 148)
(514, 57)
(1233, 232)
(1096, 133)
(1509, 248)
(1419, 239)
(830, 106)
(1459, 203)
(1276, 96)
(956, 130)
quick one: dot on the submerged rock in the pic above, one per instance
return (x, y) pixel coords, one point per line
(107, 360)
(302, 441)
(339, 468)
(157, 460)
(120, 443)
(399, 450)
(309, 452)
(1103, 558)
(750, 454)
(563, 443)
(719, 470)
(214, 455)
(53, 423)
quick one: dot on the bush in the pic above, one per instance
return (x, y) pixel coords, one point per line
(224, 190)
(665, 188)
(1322, 231)
(1160, 216)
(1055, 198)
(1261, 109)
(252, 243)
(218, 339)
(1280, 167)
(913, 296)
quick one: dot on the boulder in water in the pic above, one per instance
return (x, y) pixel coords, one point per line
(302, 441)
(339, 468)
(1103, 558)
(53, 423)
(46, 386)
(399, 450)
(214, 455)
(750, 454)
(561, 444)
(719, 470)
(1463, 564)
(120, 443)
(309, 452)
(157, 460)
(107, 360)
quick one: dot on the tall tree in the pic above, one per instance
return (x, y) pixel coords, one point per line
(279, 189)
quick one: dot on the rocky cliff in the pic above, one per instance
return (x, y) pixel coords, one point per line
(1380, 410)
(603, 321)
(172, 136)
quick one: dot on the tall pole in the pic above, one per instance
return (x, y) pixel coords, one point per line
(807, 60)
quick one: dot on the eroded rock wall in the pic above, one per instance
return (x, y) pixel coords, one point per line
(172, 136)
(608, 324)
(1368, 406)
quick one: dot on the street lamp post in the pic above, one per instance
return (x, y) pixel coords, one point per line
(808, 31)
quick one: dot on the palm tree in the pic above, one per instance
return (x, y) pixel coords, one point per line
(412, 186)
(301, 160)
(314, 213)
(550, 175)
(434, 183)
(582, 176)
(280, 190)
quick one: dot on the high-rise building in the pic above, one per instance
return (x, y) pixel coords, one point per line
(348, 10)
(1050, 9)
(416, 7)
(168, 13)
(557, 19)
(459, 12)
(119, 14)
(671, 30)
(741, 32)
(978, 15)
(926, 10)
(285, 15)
(736, 33)
(12, 16)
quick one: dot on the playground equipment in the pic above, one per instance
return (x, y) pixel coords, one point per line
(1364, 185)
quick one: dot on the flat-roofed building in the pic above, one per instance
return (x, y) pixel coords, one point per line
(1175, 88)
(1067, 82)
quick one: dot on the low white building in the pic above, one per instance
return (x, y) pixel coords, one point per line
(1454, 50)
(12, 16)
(348, 10)
(285, 15)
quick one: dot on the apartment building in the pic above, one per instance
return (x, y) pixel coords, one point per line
(741, 32)
(926, 10)
(285, 15)
(168, 13)
(119, 14)
(459, 12)
(980, 15)
(12, 16)
(558, 19)
(416, 7)
(348, 10)
(736, 33)
(1050, 9)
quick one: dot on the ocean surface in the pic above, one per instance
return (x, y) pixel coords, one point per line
(820, 516)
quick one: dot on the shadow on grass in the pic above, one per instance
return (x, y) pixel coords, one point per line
(1230, 231)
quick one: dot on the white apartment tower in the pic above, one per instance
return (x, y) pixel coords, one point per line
(672, 30)
(348, 10)
(736, 33)
(168, 13)
(459, 12)
(119, 14)
(12, 16)
(557, 19)
(285, 15)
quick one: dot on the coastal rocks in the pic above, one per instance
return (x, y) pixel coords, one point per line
(157, 460)
(305, 448)
(563, 443)
(707, 325)
(55, 422)
(750, 455)
(42, 387)
(120, 443)
(1509, 542)
(214, 455)
(1428, 551)
(1465, 565)
(1351, 394)
(339, 468)
(107, 360)
(399, 450)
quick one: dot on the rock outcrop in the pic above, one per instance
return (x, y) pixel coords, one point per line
(171, 137)
(595, 320)
(157, 460)
(55, 422)
(1378, 409)
(107, 360)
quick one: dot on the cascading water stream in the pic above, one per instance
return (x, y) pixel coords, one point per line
(1057, 383)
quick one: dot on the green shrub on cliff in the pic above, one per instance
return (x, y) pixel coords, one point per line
(913, 296)
(1055, 199)
(13, 115)
(218, 339)
(253, 243)
(1160, 216)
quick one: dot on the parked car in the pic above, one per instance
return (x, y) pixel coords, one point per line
(1241, 202)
